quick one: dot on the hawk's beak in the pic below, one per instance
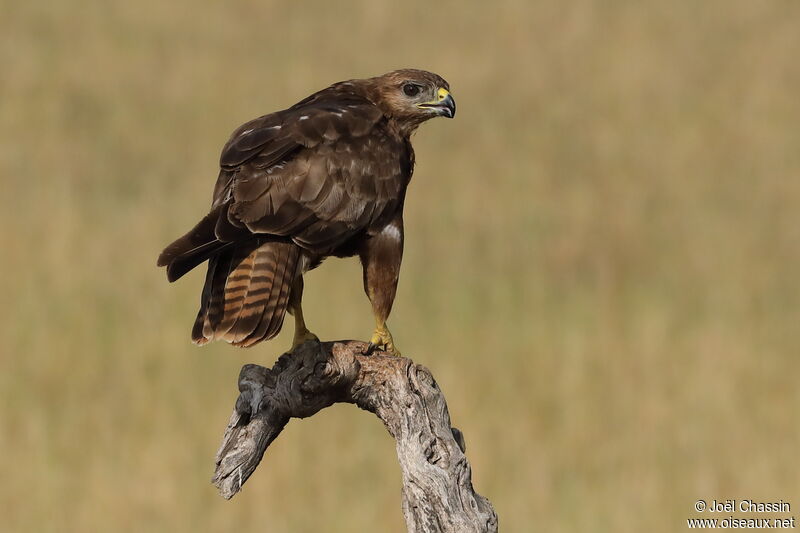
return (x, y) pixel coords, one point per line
(443, 105)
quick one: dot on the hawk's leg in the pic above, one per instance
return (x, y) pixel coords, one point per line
(380, 257)
(295, 307)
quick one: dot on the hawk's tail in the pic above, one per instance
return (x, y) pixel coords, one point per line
(246, 292)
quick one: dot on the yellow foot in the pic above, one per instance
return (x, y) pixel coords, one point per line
(382, 339)
(302, 336)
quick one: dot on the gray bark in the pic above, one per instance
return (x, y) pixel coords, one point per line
(437, 478)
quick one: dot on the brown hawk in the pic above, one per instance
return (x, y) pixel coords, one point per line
(325, 177)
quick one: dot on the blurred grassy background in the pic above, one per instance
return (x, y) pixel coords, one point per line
(601, 261)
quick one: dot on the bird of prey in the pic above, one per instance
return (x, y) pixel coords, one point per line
(325, 177)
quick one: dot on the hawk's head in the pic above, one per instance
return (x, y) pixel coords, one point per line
(412, 96)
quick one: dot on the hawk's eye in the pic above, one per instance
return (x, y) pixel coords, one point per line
(411, 90)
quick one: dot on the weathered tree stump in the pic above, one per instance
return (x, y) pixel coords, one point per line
(437, 479)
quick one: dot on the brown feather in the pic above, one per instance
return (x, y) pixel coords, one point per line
(202, 233)
(196, 246)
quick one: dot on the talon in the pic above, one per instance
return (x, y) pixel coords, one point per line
(369, 349)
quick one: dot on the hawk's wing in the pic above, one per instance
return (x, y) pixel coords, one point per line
(318, 172)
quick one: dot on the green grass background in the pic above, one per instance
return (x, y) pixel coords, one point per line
(601, 267)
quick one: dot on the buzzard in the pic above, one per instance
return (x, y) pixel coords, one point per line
(325, 177)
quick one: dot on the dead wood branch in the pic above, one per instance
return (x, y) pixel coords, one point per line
(437, 485)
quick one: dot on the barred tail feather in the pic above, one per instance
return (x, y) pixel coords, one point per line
(236, 288)
(246, 293)
(197, 330)
(274, 309)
